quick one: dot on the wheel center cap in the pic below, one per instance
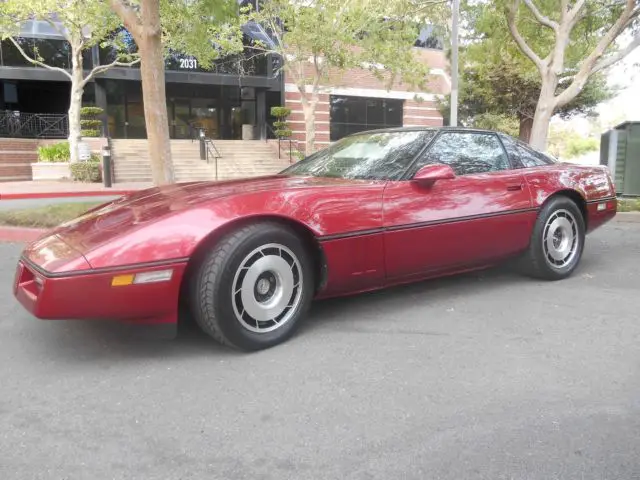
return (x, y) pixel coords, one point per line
(263, 286)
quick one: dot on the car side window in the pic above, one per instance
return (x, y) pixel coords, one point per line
(466, 153)
(523, 156)
(530, 158)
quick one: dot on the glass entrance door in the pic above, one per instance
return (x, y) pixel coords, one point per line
(206, 114)
(180, 116)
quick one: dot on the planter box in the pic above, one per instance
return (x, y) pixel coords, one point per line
(51, 171)
(249, 132)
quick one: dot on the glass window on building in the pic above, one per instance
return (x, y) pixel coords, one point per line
(11, 56)
(54, 52)
(357, 114)
(430, 36)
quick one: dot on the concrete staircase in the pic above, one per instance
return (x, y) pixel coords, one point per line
(16, 156)
(238, 159)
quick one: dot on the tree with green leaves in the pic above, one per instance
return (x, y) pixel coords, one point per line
(83, 24)
(323, 39)
(569, 42)
(499, 86)
(204, 29)
(565, 143)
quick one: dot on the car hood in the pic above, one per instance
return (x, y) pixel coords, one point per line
(135, 211)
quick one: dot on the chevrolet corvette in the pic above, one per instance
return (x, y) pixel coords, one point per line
(247, 257)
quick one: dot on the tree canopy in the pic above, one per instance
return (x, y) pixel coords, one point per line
(568, 42)
(204, 29)
(323, 39)
(499, 86)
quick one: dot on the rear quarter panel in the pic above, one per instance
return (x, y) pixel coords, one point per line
(592, 183)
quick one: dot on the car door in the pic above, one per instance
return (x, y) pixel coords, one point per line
(484, 213)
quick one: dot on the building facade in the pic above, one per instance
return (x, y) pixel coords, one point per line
(237, 91)
(356, 100)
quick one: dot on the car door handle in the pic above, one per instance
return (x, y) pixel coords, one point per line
(514, 186)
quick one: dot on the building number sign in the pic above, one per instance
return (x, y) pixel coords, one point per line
(188, 63)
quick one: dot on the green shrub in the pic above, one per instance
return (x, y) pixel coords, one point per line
(94, 123)
(86, 172)
(55, 153)
(91, 111)
(629, 204)
(282, 128)
(91, 125)
(90, 133)
(280, 112)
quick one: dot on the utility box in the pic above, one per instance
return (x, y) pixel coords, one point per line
(620, 151)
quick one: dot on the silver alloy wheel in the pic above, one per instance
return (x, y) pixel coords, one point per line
(267, 288)
(560, 239)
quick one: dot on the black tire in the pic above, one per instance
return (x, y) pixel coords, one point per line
(537, 261)
(217, 310)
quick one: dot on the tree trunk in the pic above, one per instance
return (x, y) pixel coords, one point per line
(544, 111)
(309, 110)
(75, 104)
(154, 95)
(155, 109)
(310, 128)
(524, 134)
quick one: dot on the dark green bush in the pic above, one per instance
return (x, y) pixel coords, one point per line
(55, 153)
(86, 172)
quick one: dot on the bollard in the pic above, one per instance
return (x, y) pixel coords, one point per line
(106, 166)
(203, 145)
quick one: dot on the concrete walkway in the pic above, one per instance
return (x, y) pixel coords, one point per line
(52, 189)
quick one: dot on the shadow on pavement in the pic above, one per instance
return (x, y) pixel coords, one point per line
(81, 340)
(103, 340)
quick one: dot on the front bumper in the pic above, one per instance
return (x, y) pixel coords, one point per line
(90, 294)
(600, 212)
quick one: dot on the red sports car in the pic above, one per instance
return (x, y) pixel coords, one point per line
(375, 209)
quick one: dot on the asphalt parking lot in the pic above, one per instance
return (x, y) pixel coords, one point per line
(482, 376)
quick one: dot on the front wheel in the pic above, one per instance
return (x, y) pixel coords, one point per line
(557, 241)
(254, 287)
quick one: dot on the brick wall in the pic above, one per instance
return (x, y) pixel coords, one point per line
(17, 155)
(419, 108)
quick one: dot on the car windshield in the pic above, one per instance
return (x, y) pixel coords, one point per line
(366, 156)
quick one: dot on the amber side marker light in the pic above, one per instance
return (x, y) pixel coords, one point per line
(142, 278)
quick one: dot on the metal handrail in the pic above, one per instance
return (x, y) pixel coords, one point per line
(208, 148)
(212, 146)
(33, 125)
(281, 139)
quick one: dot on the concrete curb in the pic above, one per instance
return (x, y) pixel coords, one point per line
(90, 193)
(20, 234)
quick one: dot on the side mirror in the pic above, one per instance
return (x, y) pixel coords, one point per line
(429, 174)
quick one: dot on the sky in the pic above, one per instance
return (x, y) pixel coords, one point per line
(626, 74)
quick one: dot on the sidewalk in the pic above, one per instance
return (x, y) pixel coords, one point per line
(53, 189)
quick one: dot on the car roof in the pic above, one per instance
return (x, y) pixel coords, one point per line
(423, 129)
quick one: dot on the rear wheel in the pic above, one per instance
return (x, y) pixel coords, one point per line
(557, 241)
(254, 287)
